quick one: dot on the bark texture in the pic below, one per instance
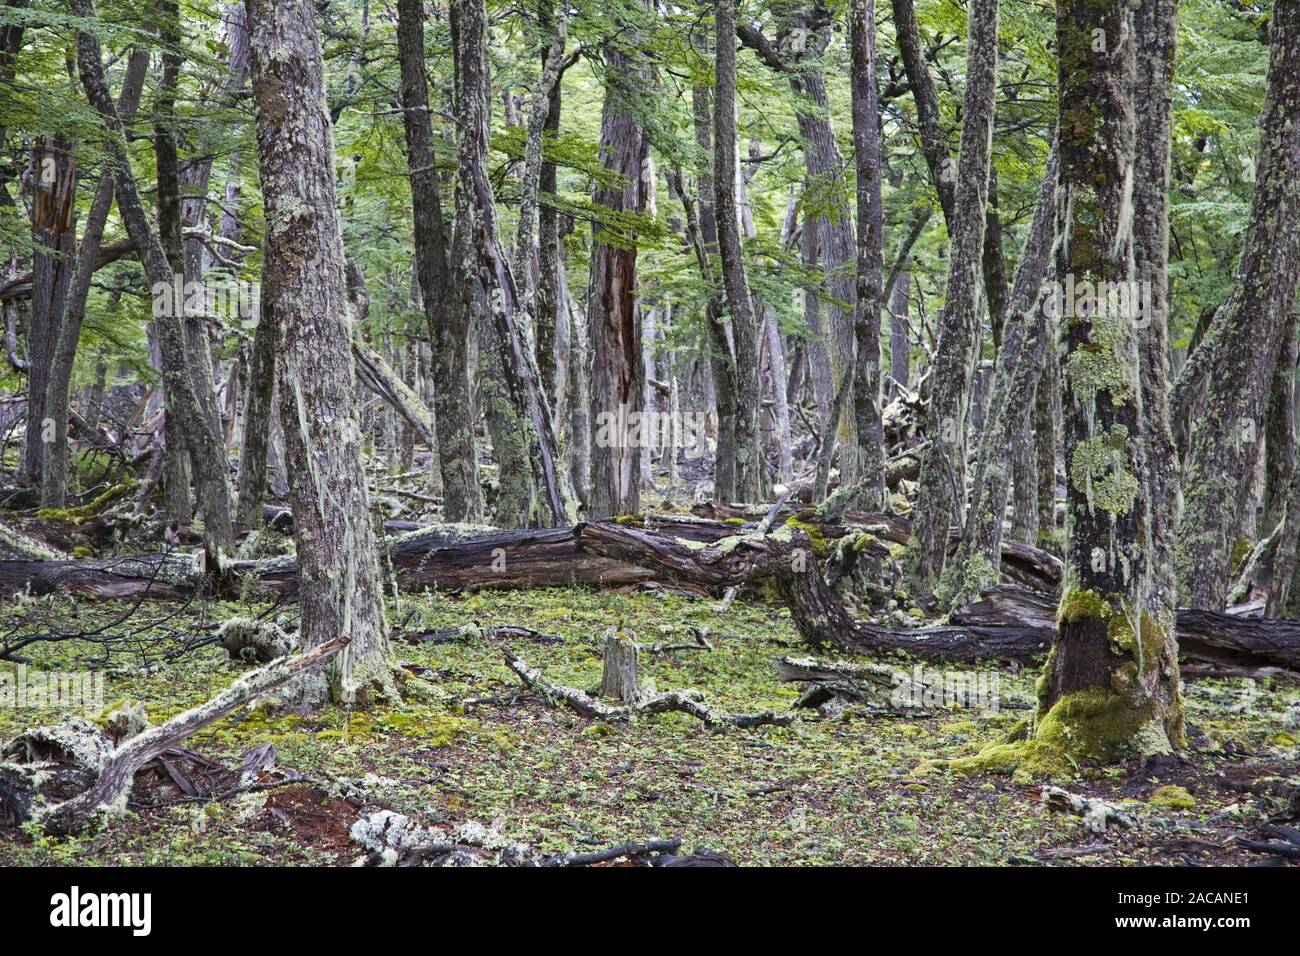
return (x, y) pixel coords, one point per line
(444, 306)
(1246, 338)
(941, 490)
(340, 588)
(1111, 679)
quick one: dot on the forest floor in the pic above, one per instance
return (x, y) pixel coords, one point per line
(849, 790)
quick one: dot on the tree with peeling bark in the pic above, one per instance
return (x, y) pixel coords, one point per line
(340, 589)
(614, 315)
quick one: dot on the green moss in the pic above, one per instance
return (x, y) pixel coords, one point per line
(1080, 603)
(90, 509)
(1175, 798)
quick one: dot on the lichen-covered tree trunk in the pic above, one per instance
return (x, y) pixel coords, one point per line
(1110, 685)
(900, 346)
(444, 305)
(1246, 338)
(488, 271)
(751, 472)
(340, 589)
(206, 451)
(614, 311)
(1156, 28)
(1019, 362)
(550, 253)
(868, 431)
(942, 483)
(1280, 428)
(54, 477)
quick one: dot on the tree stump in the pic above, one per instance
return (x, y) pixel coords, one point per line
(621, 680)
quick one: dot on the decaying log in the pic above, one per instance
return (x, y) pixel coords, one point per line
(1021, 563)
(13, 541)
(1010, 623)
(118, 767)
(681, 701)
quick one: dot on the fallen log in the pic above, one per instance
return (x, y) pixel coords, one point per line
(1010, 623)
(1021, 563)
(437, 557)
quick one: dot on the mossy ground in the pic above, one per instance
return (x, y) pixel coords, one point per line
(843, 791)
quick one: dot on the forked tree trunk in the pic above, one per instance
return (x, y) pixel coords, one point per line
(487, 269)
(54, 478)
(340, 589)
(1019, 361)
(444, 305)
(205, 448)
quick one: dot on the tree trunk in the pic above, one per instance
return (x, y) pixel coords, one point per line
(868, 432)
(722, 362)
(1110, 686)
(205, 447)
(257, 414)
(1246, 338)
(488, 270)
(54, 237)
(54, 479)
(751, 472)
(340, 588)
(613, 311)
(941, 489)
(444, 305)
(1019, 361)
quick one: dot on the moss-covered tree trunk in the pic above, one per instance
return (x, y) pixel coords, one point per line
(444, 305)
(340, 589)
(1156, 28)
(614, 308)
(205, 447)
(1245, 338)
(751, 471)
(941, 486)
(868, 431)
(1110, 685)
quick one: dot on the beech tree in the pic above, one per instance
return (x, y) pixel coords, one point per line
(340, 590)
